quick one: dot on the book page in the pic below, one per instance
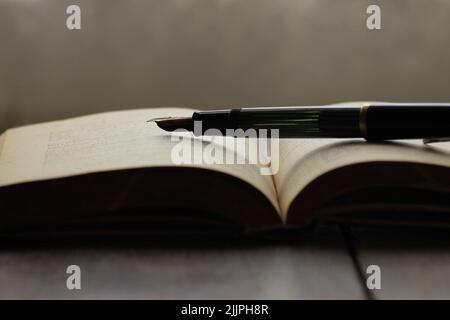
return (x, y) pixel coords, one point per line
(2, 141)
(303, 160)
(104, 142)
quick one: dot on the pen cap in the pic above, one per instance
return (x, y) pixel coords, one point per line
(405, 121)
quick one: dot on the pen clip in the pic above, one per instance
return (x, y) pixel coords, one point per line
(435, 140)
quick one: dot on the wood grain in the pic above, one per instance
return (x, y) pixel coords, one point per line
(415, 263)
(316, 266)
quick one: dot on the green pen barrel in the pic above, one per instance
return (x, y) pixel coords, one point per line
(292, 122)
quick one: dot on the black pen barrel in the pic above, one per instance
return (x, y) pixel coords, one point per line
(405, 121)
(372, 121)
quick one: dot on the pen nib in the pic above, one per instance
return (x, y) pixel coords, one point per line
(159, 119)
(173, 123)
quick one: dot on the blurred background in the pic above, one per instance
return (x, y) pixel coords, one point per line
(216, 53)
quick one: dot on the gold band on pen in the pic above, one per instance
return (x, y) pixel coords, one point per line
(363, 119)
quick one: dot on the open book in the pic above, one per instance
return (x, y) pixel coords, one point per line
(113, 173)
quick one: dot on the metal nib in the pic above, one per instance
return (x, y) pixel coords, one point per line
(173, 123)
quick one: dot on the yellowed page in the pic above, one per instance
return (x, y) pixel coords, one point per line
(103, 142)
(2, 141)
(302, 160)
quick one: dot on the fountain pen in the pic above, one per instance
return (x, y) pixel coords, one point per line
(377, 121)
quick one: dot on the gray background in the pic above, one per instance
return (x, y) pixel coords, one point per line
(216, 53)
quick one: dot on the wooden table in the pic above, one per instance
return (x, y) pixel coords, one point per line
(327, 263)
